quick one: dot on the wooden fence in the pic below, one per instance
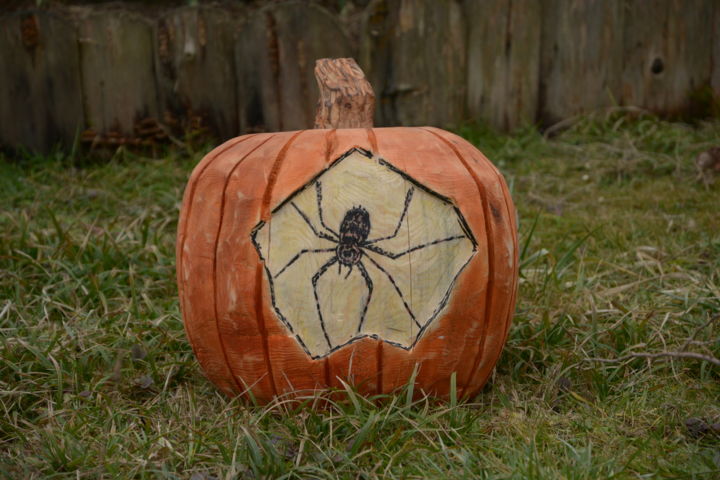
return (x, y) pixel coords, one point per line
(131, 75)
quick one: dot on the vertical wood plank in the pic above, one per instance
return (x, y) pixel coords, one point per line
(414, 53)
(503, 61)
(275, 56)
(117, 62)
(581, 56)
(40, 89)
(715, 80)
(196, 69)
(667, 52)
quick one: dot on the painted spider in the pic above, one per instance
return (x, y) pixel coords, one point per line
(352, 246)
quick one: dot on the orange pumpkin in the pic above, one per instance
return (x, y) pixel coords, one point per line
(311, 258)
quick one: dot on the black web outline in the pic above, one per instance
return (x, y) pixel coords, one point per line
(367, 244)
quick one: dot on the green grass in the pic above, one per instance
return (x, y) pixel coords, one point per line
(620, 254)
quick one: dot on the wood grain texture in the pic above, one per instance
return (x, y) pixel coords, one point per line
(359, 364)
(118, 72)
(275, 56)
(194, 49)
(715, 80)
(382, 265)
(260, 349)
(414, 53)
(503, 61)
(346, 98)
(244, 343)
(40, 88)
(581, 57)
(197, 234)
(502, 240)
(667, 52)
(442, 351)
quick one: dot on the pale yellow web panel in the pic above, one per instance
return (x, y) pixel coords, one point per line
(401, 295)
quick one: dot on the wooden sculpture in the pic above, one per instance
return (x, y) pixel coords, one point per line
(347, 253)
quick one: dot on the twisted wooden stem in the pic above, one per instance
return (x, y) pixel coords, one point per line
(346, 97)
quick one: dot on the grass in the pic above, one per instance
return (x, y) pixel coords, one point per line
(620, 254)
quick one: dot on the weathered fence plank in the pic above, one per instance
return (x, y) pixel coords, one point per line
(438, 62)
(117, 63)
(414, 51)
(715, 80)
(503, 61)
(40, 92)
(275, 56)
(194, 49)
(667, 52)
(581, 56)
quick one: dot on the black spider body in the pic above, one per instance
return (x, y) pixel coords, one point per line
(354, 230)
(352, 248)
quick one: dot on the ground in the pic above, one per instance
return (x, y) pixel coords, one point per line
(620, 254)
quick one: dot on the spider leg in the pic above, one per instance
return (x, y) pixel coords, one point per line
(349, 271)
(318, 194)
(315, 279)
(408, 198)
(369, 284)
(393, 255)
(397, 289)
(307, 220)
(301, 253)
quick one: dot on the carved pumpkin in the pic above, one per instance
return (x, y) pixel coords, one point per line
(306, 259)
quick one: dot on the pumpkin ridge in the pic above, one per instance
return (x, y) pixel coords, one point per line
(516, 260)
(490, 254)
(326, 371)
(373, 141)
(215, 250)
(330, 141)
(259, 284)
(182, 234)
(513, 230)
(192, 185)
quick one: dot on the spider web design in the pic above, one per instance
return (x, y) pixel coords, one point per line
(417, 244)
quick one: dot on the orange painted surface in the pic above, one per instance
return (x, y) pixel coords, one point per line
(243, 346)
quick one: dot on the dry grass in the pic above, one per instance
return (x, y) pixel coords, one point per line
(620, 255)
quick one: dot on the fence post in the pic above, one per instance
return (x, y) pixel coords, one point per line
(40, 93)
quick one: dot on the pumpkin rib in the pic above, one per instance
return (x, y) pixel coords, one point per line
(380, 366)
(190, 196)
(237, 286)
(491, 257)
(259, 284)
(513, 228)
(489, 286)
(330, 144)
(223, 350)
(195, 176)
(326, 371)
(436, 167)
(516, 259)
(511, 292)
(198, 269)
(373, 140)
(510, 210)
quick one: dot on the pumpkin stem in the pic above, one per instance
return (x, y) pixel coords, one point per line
(346, 97)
